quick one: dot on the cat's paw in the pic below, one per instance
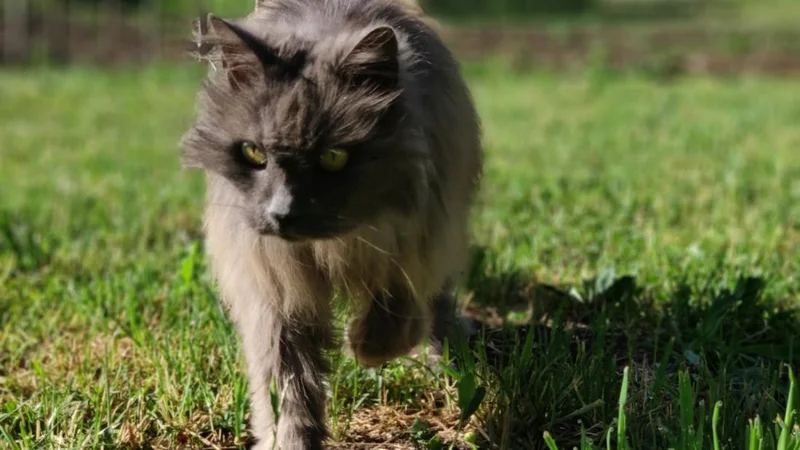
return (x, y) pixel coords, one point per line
(295, 439)
(385, 333)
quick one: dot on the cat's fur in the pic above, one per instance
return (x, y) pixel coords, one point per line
(389, 232)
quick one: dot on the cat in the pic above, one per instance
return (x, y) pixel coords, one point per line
(343, 153)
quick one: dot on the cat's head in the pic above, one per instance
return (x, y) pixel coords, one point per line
(311, 134)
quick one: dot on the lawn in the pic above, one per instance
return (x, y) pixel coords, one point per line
(623, 222)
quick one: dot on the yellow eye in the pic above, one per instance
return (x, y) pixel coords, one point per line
(253, 154)
(334, 159)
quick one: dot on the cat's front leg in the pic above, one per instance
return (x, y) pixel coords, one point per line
(389, 327)
(290, 352)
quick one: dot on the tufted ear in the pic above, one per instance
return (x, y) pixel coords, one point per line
(242, 56)
(373, 62)
(261, 4)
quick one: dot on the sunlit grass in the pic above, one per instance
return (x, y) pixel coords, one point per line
(622, 223)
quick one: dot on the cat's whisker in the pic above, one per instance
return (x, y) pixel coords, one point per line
(406, 276)
(348, 220)
(385, 252)
(393, 261)
(347, 288)
(226, 205)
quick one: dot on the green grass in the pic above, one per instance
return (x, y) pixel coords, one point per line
(623, 223)
(785, 437)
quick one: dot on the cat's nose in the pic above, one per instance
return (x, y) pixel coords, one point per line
(279, 207)
(283, 225)
(280, 220)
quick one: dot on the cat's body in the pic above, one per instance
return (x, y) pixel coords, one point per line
(388, 230)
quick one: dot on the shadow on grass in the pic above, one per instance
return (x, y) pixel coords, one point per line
(552, 357)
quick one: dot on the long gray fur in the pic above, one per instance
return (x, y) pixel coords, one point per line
(389, 232)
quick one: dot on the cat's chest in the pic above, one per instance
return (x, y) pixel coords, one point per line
(368, 261)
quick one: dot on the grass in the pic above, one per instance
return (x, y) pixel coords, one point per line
(623, 223)
(786, 436)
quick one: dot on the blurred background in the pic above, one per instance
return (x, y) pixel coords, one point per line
(641, 208)
(671, 36)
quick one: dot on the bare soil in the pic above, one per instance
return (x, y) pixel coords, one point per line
(666, 50)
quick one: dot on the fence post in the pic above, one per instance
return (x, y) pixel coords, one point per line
(56, 22)
(154, 28)
(15, 30)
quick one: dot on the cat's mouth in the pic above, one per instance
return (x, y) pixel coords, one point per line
(303, 231)
(292, 237)
(286, 233)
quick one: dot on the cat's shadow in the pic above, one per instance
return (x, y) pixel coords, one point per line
(616, 319)
(493, 301)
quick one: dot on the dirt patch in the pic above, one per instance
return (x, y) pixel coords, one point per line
(388, 428)
(117, 39)
(93, 39)
(665, 50)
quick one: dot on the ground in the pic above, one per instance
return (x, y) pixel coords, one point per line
(624, 221)
(661, 37)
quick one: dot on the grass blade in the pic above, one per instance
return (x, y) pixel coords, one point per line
(623, 399)
(788, 421)
(715, 424)
(551, 444)
(698, 438)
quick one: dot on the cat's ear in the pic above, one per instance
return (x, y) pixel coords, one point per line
(374, 61)
(242, 56)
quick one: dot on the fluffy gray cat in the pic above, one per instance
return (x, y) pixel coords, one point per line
(343, 154)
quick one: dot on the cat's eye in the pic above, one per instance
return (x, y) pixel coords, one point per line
(334, 159)
(252, 154)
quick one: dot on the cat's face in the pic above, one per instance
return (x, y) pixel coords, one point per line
(307, 133)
